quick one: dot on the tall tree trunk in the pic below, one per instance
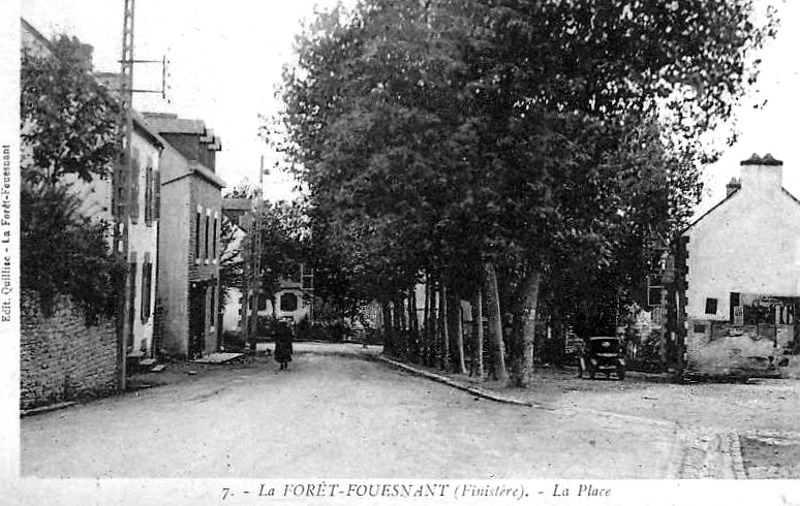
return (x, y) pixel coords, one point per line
(525, 329)
(445, 330)
(477, 360)
(400, 325)
(495, 324)
(413, 325)
(458, 333)
(426, 325)
(436, 324)
(388, 329)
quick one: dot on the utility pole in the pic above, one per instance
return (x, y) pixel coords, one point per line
(252, 263)
(258, 242)
(122, 186)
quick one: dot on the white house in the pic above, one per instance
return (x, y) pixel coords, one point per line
(143, 229)
(741, 262)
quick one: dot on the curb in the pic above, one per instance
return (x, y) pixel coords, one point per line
(45, 409)
(735, 450)
(480, 392)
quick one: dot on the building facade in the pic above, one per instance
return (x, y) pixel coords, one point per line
(740, 264)
(96, 199)
(239, 215)
(294, 299)
(189, 248)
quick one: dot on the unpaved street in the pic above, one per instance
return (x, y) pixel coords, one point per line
(336, 414)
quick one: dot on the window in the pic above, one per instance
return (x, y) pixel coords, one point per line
(197, 237)
(205, 248)
(711, 306)
(655, 296)
(132, 266)
(147, 288)
(134, 186)
(148, 193)
(288, 302)
(214, 248)
(156, 195)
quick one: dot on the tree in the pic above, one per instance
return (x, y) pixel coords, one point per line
(81, 267)
(231, 262)
(561, 84)
(284, 244)
(68, 125)
(68, 121)
(442, 137)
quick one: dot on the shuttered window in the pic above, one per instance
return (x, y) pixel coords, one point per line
(156, 195)
(134, 186)
(147, 288)
(148, 193)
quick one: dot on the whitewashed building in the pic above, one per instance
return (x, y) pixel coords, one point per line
(741, 268)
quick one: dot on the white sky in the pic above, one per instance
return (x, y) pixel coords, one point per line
(226, 59)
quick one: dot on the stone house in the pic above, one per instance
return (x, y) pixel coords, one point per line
(739, 278)
(189, 248)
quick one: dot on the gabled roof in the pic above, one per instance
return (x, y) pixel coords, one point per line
(695, 222)
(207, 174)
(168, 123)
(147, 130)
(237, 204)
(36, 34)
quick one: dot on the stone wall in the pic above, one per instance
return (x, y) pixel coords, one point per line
(63, 359)
(720, 349)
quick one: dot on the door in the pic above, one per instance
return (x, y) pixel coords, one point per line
(197, 319)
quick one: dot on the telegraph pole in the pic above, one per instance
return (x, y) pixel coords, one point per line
(257, 244)
(122, 185)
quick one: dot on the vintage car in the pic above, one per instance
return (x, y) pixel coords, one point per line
(602, 354)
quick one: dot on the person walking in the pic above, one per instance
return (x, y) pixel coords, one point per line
(283, 346)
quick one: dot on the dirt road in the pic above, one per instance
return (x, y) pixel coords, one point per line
(336, 414)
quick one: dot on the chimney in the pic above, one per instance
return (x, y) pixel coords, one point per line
(732, 187)
(762, 175)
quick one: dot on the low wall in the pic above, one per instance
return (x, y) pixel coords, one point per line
(63, 359)
(719, 349)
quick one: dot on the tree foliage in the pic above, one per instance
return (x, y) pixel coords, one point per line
(68, 120)
(64, 253)
(68, 125)
(284, 243)
(548, 137)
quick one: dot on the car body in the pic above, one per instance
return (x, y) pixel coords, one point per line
(602, 354)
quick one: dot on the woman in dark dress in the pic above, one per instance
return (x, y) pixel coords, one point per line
(283, 346)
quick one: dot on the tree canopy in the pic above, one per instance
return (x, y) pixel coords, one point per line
(69, 127)
(68, 119)
(548, 137)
